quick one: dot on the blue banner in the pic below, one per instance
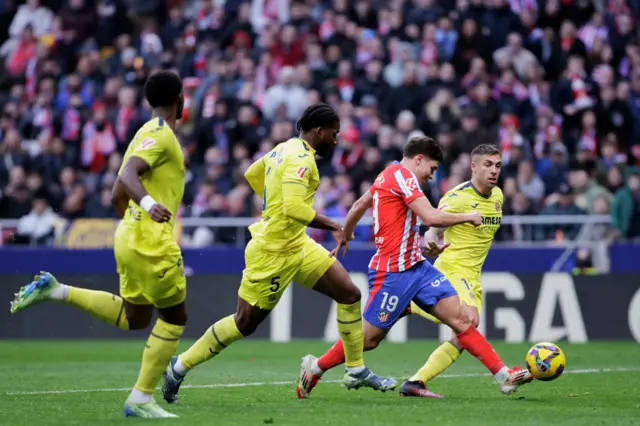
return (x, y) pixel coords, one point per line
(229, 260)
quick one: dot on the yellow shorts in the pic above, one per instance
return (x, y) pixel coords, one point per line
(146, 280)
(267, 275)
(469, 292)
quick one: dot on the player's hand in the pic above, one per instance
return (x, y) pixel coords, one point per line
(342, 241)
(159, 213)
(433, 249)
(475, 218)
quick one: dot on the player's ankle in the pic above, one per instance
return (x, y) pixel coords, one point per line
(60, 292)
(356, 370)
(138, 397)
(180, 368)
(502, 375)
(315, 368)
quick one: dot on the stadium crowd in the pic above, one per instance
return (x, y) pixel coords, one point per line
(555, 83)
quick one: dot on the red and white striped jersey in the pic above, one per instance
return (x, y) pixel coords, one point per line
(395, 226)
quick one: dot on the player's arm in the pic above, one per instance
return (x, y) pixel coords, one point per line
(295, 184)
(358, 210)
(149, 154)
(405, 184)
(119, 198)
(431, 216)
(432, 246)
(255, 176)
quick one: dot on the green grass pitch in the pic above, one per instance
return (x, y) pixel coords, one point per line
(252, 383)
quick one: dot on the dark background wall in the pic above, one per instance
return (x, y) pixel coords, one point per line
(519, 307)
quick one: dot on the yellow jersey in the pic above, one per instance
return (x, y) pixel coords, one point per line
(290, 163)
(469, 244)
(157, 145)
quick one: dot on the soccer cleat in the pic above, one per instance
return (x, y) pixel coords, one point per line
(34, 293)
(171, 382)
(518, 376)
(146, 410)
(366, 378)
(418, 389)
(307, 380)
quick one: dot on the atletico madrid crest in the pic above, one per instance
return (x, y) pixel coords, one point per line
(383, 316)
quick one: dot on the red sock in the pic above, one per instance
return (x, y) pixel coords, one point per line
(333, 357)
(478, 346)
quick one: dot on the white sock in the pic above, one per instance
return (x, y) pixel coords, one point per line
(502, 375)
(356, 370)
(315, 368)
(138, 397)
(60, 292)
(180, 368)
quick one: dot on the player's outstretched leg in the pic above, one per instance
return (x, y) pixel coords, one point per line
(217, 338)
(313, 368)
(161, 345)
(100, 304)
(450, 312)
(337, 284)
(439, 360)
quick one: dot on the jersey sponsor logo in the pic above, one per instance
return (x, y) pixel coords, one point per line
(498, 206)
(411, 184)
(473, 206)
(453, 195)
(147, 143)
(301, 171)
(491, 220)
(303, 155)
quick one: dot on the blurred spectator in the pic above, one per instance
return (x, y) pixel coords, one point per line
(555, 84)
(565, 205)
(625, 213)
(37, 227)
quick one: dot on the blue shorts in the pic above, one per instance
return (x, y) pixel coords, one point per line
(390, 293)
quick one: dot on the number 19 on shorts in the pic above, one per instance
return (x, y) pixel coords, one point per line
(389, 303)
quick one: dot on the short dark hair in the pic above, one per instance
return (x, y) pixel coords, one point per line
(318, 115)
(485, 149)
(423, 145)
(162, 89)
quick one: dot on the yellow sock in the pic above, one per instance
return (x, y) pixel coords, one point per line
(350, 328)
(213, 341)
(161, 345)
(100, 304)
(439, 360)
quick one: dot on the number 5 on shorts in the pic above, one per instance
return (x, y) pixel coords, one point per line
(275, 284)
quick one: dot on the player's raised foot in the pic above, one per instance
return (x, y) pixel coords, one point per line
(171, 382)
(518, 376)
(366, 378)
(146, 410)
(37, 291)
(307, 380)
(418, 389)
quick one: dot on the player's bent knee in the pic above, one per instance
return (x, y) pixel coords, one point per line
(350, 295)
(246, 325)
(371, 343)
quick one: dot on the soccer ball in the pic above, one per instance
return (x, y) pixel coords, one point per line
(546, 361)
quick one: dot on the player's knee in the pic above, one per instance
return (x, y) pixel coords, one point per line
(350, 296)
(245, 323)
(137, 322)
(370, 343)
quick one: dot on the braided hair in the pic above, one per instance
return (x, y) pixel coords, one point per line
(318, 115)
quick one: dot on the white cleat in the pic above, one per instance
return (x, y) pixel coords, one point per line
(518, 376)
(307, 380)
